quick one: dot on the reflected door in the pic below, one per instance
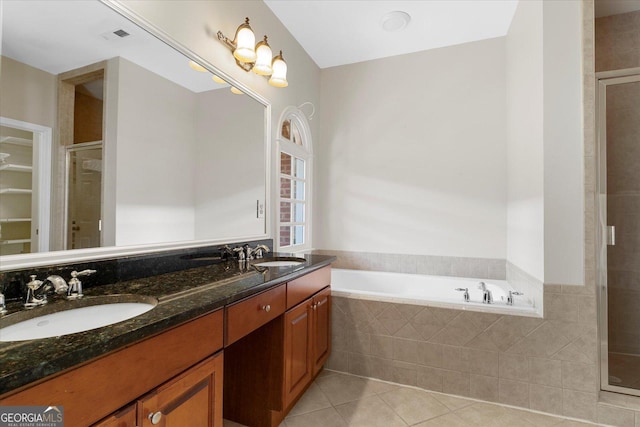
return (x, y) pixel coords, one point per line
(84, 197)
(620, 177)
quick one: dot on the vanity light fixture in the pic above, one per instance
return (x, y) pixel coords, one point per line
(256, 58)
(236, 91)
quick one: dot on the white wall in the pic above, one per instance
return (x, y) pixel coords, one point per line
(154, 183)
(411, 157)
(192, 23)
(525, 169)
(563, 143)
(230, 168)
(28, 94)
(545, 225)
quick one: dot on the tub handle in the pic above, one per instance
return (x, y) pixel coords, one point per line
(511, 295)
(466, 293)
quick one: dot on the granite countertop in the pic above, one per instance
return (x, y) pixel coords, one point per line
(182, 296)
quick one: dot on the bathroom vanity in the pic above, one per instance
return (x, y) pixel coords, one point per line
(250, 343)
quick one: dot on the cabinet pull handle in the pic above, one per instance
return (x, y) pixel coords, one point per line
(155, 417)
(266, 308)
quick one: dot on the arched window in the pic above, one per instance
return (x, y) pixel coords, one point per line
(294, 167)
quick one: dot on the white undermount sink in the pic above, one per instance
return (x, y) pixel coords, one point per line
(81, 315)
(280, 262)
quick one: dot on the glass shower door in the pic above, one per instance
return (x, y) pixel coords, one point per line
(619, 189)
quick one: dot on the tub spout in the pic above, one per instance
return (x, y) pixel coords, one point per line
(487, 297)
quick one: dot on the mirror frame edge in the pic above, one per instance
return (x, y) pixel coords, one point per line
(39, 259)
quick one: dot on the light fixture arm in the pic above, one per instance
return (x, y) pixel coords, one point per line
(231, 45)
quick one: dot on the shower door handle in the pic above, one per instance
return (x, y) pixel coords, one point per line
(611, 235)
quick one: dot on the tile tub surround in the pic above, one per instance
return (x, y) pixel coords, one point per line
(481, 268)
(548, 365)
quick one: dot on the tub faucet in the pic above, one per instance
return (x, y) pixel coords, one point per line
(511, 295)
(487, 297)
(37, 290)
(466, 293)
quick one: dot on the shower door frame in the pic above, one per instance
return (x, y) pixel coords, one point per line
(603, 80)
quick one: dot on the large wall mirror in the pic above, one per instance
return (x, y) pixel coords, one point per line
(110, 138)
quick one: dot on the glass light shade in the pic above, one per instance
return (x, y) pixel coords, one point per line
(245, 41)
(263, 59)
(236, 90)
(195, 66)
(217, 79)
(279, 76)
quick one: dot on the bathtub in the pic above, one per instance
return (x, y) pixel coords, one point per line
(434, 291)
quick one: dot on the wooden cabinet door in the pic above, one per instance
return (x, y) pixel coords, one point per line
(321, 336)
(192, 399)
(124, 418)
(297, 346)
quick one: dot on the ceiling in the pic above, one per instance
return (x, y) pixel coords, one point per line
(348, 31)
(62, 35)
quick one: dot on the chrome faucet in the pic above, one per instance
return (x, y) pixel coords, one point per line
(466, 293)
(75, 285)
(260, 250)
(510, 298)
(3, 306)
(487, 297)
(37, 290)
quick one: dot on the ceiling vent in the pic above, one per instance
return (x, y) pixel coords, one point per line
(115, 34)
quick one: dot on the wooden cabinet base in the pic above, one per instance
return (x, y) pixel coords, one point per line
(269, 370)
(97, 389)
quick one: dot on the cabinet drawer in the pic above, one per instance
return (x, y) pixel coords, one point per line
(303, 287)
(248, 315)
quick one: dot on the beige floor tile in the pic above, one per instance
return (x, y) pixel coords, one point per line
(369, 411)
(413, 406)
(312, 400)
(448, 420)
(481, 413)
(341, 389)
(453, 402)
(328, 417)
(539, 420)
(228, 423)
(570, 423)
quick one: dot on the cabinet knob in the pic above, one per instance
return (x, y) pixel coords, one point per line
(314, 306)
(155, 417)
(266, 308)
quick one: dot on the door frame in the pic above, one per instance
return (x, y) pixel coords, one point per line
(41, 181)
(67, 168)
(603, 80)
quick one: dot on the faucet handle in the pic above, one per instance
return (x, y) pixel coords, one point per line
(259, 250)
(74, 273)
(466, 293)
(510, 298)
(75, 285)
(240, 251)
(3, 306)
